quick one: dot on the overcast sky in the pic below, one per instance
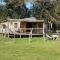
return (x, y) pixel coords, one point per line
(2, 2)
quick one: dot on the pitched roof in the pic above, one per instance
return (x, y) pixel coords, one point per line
(31, 19)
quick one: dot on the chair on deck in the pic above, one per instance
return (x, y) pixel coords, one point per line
(49, 36)
(53, 36)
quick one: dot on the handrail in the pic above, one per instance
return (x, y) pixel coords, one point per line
(31, 28)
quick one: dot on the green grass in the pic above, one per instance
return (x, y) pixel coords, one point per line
(21, 49)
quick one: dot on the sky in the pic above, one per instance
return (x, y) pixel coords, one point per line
(27, 1)
(2, 2)
(29, 5)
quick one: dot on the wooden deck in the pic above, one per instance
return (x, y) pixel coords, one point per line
(32, 32)
(19, 35)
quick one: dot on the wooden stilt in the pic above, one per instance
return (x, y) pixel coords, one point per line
(20, 29)
(14, 36)
(8, 28)
(31, 32)
(4, 33)
(44, 31)
(29, 37)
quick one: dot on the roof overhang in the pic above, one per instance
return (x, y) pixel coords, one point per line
(25, 20)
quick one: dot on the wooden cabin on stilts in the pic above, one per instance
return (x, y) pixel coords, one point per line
(24, 27)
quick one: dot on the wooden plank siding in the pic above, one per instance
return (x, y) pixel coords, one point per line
(22, 25)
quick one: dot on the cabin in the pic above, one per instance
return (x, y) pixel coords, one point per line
(23, 26)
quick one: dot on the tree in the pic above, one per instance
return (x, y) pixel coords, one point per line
(42, 9)
(14, 8)
(3, 13)
(21, 11)
(56, 14)
(17, 9)
(47, 10)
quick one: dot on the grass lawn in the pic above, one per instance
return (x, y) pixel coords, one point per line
(20, 49)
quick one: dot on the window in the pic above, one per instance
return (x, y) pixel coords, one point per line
(15, 25)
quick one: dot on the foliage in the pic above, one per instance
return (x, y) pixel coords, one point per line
(3, 13)
(42, 9)
(17, 9)
(47, 10)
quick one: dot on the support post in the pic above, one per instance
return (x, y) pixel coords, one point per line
(44, 31)
(8, 28)
(31, 32)
(4, 32)
(14, 36)
(20, 29)
(30, 35)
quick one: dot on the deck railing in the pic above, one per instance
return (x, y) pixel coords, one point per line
(32, 30)
(22, 30)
